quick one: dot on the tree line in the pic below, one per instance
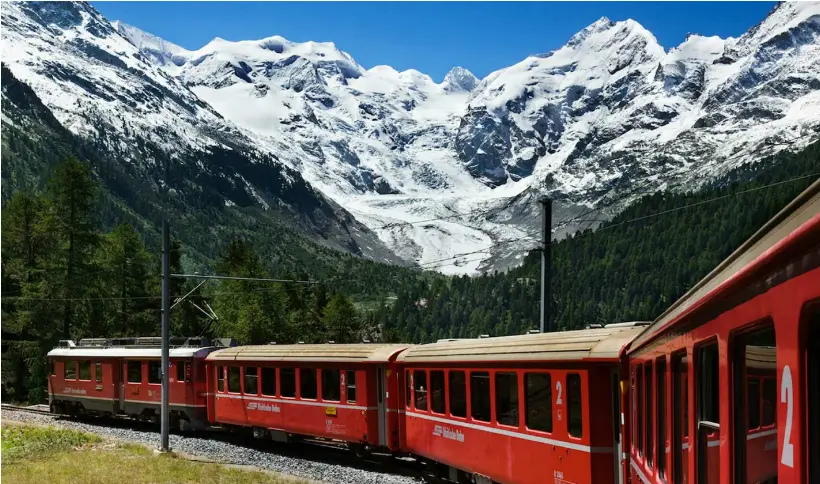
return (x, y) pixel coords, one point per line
(63, 278)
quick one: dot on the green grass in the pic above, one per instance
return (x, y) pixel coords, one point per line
(32, 455)
(21, 442)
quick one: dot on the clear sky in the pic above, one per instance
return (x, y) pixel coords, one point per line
(431, 37)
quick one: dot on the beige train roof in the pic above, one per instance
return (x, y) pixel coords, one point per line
(91, 352)
(599, 343)
(799, 211)
(360, 353)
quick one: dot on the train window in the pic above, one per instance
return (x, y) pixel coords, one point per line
(539, 401)
(458, 394)
(85, 370)
(351, 386)
(420, 388)
(639, 409)
(98, 372)
(574, 405)
(769, 401)
(647, 381)
(506, 399)
(287, 382)
(308, 386)
(183, 370)
(660, 416)
(155, 372)
(269, 381)
(437, 391)
(251, 380)
(234, 379)
(480, 395)
(753, 403)
(220, 378)
(134, 372)
(680, 420)
(331, 385)
(409, 391)
(754, 358)
(70, 370)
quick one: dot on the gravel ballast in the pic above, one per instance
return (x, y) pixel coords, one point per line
(220, 451)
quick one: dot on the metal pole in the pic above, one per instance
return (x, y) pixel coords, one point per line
(546, 269)
(166, 310)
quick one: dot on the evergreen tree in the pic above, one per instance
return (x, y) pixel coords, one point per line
(342, 320)
(71, 196)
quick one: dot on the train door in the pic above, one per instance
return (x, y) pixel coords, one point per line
(121, 383)
(813, 392)
(381, 384)
(708, 413)
(754, 406)
(617, 421)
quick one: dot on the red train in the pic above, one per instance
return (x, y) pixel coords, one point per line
(724, 387)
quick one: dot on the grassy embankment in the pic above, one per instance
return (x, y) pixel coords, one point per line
(33, 454)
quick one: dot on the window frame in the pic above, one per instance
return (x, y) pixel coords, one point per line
(245, 376)
(98, 372)
(128, 371)
(516, 405)
(465, 396)
(238, 379)
(486, 398)
(158, 365)
(84, 364)
(287, 370)
(580, 402)
(421, 393)
(264, 373)
(550, 409)
(442, 394)
(300, 383)
(73, 365)
(220, 378)
(348, 385)
(338, 394)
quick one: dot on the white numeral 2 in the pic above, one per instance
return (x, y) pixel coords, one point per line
(558, 388)
(787, 397)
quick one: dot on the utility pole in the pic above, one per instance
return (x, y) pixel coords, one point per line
(166, 310)
(546, 268)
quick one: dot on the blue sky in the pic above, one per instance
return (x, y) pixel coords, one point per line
(431, 37)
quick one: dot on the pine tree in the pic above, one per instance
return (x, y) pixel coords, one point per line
(71, 195)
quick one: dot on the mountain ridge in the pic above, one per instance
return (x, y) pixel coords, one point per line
(607, 116)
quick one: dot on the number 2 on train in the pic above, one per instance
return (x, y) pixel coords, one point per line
(558, 388)
(787, 397)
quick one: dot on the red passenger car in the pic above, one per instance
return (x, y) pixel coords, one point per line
(346, 392)
(525, 409)
(122, 376)
(726, 383)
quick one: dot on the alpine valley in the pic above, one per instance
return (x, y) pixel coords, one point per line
(394, 166)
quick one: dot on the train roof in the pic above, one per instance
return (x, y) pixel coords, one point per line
(128, 353)
(137, 347)
(329, 352)
(587, 344)
(795, 222)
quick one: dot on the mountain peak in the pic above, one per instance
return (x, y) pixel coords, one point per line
(459, 79)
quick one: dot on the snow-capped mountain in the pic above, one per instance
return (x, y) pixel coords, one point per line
(101, 87)
(606, 117)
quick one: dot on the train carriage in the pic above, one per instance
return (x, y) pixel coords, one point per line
(523, 409)
(344, 392)
(122, 377)
(725, 385)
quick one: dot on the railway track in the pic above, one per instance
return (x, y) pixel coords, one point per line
(244, 450)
